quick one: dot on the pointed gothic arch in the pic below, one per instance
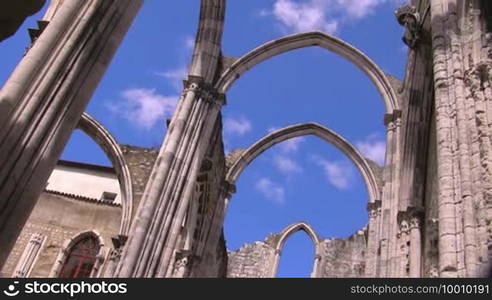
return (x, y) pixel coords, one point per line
(89, 258)
(303, 129)
(285, 234)
(110, 146)
(293, 228)
(308, 39)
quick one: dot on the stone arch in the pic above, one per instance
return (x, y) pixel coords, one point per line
(308, 39)
(285, 234)
(293, 228)
(307, 129)
(70, 243)
(110, 146)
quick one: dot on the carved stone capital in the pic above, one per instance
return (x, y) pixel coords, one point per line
(412, 218)
(37, 238)
(374, 208)
(115, 255)
(391, 120)
(203, 90)
(404, 226)
(184, 258)
(409, 17)
(230, 188)
(119, 241)
(477, 75)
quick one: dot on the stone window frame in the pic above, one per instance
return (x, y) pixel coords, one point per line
(29, 256)
(285, 234)
(70, 243)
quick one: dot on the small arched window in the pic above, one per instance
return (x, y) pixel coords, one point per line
(81, 258)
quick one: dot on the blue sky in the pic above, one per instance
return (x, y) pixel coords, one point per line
(303, 179)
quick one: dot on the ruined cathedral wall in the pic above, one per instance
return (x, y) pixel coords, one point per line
(140, 162)
(430, 226)
(463, 77)
(209, 244)
(253, 260)
(343, 257)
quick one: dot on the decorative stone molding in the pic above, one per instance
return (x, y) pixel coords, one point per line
(118, 244)
(29, 256)
(409, 17)
(184, 259)
(374, 209)
(204, 90)
(391, 119)
(229, 188)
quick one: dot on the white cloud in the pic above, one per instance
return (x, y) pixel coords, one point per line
(360, 8)
(373, 148)
(144, 107)
(291, 145)
(324, 15)
(239, 126)
(303, 17)
(189, 43)
(338, 173)
(286, 165)
(174, 76)
(271, 190)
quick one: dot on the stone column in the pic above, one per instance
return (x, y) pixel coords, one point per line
(403, 247)
(166, 198)
(415, 252)
(42, 101)
(317, 263)
(448, 263)
(373, 241)
(395, 194)
(114, 255)
(274, 263)
(389, 226)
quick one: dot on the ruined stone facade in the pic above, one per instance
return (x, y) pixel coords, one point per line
(429, 207)
(334, 257)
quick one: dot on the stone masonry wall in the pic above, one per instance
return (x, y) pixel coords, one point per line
(251, 261)
(343, 257)
(140, 162)
(60, 218)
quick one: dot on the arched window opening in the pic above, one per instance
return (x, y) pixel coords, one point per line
(81, 258)
(297, 256)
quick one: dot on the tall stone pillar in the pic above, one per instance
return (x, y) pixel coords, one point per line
(415, 251)
(152, 249)
(403, 251)
(464, 151)
(448, 259)
(166, 199)
(388, 266)
(373, 239)
(42, 101)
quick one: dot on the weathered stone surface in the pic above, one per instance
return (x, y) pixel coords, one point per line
(59, 218)
(251, 261)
